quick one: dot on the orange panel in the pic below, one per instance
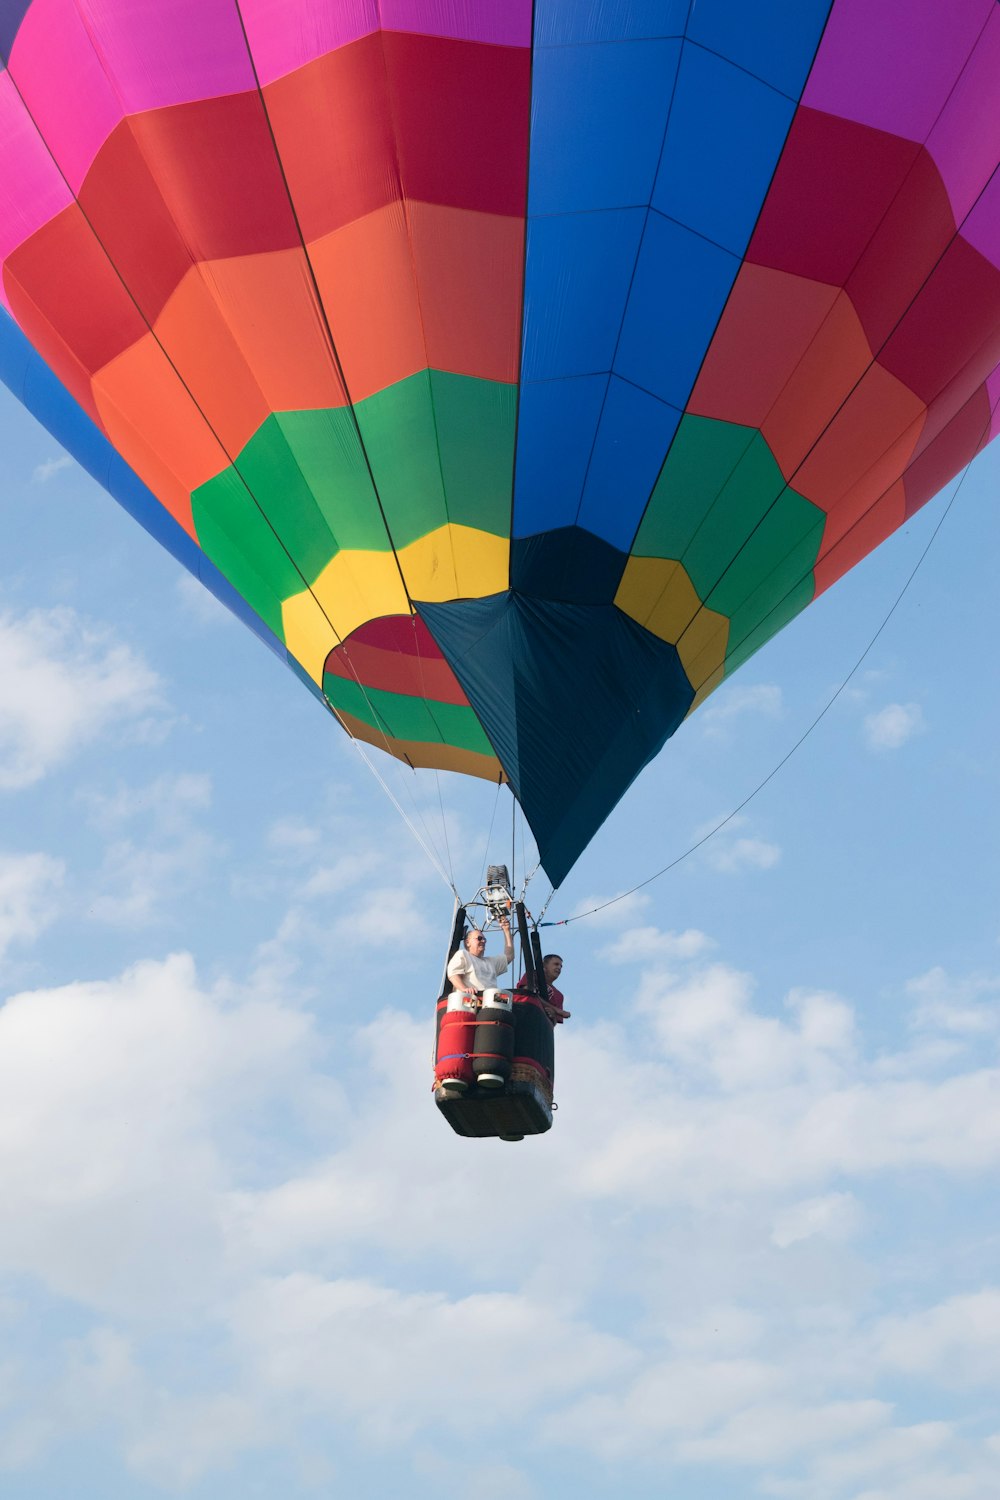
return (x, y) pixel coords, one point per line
(769, 322)
(423, 753)
(156, 427)
(821, 382)
(365, 276)
(270, 308)
(469, 269)
(198, 342)
(865, 448)
(842, 548)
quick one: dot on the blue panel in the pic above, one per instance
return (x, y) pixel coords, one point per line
(774, 39)
(576, 699)
(27, 375)
(577, 276)
(12, 13)
(555, 433)
(558, 22)
(726, 133)
(681, 285)
(632, 441)
(597, 123)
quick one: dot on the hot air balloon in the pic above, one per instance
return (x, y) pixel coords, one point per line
(515, 370)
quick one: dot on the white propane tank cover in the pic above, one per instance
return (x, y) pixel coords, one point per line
(499, 998)
(462, 1000)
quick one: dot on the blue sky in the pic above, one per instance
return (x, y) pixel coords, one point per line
(240, 1256)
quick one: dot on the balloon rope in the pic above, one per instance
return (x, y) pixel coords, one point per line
(565, 921)
(431, 855)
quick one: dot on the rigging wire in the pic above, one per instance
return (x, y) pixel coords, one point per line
(486, 848)
(430, 853)
(565, 921)
(444, 827)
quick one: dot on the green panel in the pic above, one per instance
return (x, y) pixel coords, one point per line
(401, 717)
(281, 490)
(788, 607)
(475, 429)
(305, 473)
(325, 449)
(703, 456)
(397, 428)
(237, 538)
(775, 556)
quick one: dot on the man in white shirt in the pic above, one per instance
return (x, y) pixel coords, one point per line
(470, 969)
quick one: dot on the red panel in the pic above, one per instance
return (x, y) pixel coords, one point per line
(461, 112)
(341, 100)
(397, 654)
(194, 182)
(429, 118)
(950, 451)
(952, 329)
(909, 242)
(877, 523)
(829, 195)
(61, 281)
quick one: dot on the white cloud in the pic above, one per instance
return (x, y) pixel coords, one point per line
(115, 1100)
(957, 1342)
(157, 846)
(615, 909)
(762, 699)
(28, 885)
(63, 683)
(731, 852)
(649, 944)
(832, 1216)
(43, 472)
(892, 726)
(967, 1007)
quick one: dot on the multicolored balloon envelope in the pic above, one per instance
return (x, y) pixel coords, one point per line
(515, 369)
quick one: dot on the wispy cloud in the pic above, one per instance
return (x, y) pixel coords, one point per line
(157, 846)
(892, 726)
(43, 472)
(28, 886)
(731, 852)
(63, 683)
(762, 700)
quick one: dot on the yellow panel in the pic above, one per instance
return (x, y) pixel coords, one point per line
(456, 562)
(658, 593)
(453, 562)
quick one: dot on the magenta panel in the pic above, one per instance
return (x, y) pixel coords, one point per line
(287, 34)
(982, 227)
(965, 142)
(82, 65)
(993, 396)
(857, 73)
(31, 190)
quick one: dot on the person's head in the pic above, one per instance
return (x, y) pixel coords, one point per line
(475, 941)
(552, 965)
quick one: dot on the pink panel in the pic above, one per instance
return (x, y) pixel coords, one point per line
(982, 227)
(31, 190)
(993, 395)
(965, 142)
(503, 22)
(858, 73)
(287, 34)
(84, 64)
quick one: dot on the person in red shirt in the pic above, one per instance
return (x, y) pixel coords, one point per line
(556, 1005)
